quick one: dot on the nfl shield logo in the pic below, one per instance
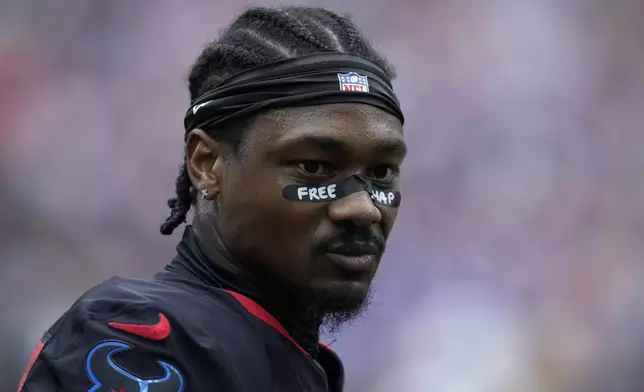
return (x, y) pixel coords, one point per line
(353, 82)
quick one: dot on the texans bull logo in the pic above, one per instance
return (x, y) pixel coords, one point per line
(108, 376)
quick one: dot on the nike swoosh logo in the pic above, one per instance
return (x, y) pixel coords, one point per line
(158, 331)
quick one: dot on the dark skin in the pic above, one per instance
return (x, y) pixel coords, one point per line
(286, 243)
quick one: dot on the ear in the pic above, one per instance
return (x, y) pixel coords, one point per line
(204, 162)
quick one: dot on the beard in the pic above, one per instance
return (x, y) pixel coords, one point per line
(332, 310)
(336, 318)
(345, 300)
(319, 298)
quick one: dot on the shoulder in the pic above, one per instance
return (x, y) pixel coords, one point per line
(125, 330)
(134, 298)
(157, 311)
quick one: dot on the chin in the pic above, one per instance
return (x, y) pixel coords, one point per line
(334, 303)
(342, 296)
(343, 304)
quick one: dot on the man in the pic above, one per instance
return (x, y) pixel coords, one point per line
(293, 149)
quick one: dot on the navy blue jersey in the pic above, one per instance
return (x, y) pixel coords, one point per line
(173, 334)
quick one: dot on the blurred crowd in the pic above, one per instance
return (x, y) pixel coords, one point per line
(516, 264)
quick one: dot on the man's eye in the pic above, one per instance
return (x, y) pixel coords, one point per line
(384, 173)
(314, 168)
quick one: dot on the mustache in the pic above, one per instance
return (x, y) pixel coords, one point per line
(353, 243)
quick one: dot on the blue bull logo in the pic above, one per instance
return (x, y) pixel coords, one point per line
(108, 376)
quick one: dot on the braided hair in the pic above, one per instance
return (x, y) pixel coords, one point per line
(261, 35)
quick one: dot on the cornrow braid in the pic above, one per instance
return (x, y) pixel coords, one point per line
(179, 205)
(323, 28)
(258, 36)
(350, 31)
(285, 21)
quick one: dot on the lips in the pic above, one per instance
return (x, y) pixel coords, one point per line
(361, 264)
(357, 257)
(355, 249)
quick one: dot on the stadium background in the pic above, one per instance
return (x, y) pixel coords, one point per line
(517, 260)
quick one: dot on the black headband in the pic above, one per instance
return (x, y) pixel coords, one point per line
(317, 79)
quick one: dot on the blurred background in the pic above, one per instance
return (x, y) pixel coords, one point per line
(517, 260)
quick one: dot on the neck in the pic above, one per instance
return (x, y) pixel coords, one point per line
(292, 310)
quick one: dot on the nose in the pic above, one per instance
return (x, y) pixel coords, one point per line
(357, 208)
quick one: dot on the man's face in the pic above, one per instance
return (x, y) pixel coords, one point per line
(330, 250)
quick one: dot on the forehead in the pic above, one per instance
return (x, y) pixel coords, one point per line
(352, 126)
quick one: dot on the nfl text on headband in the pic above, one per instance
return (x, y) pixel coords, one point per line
(316, 79)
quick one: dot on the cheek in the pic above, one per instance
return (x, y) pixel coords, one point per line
(289, 226)
(284, 245)
(268, 229)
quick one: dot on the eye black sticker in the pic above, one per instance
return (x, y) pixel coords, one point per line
(333, 191)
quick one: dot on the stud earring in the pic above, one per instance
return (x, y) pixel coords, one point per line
(203, 194)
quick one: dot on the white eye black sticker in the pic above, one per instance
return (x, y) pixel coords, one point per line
(337, 190)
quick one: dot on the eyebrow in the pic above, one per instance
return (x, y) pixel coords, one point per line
(338, 147)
